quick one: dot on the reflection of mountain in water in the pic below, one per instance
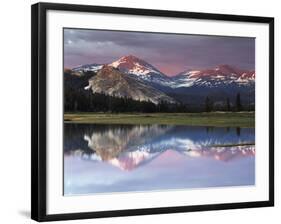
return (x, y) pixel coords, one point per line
(223, 153)
(130, 146)
(112, 142)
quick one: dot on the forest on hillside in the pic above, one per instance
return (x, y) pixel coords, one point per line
(80, 100)
(77, 99)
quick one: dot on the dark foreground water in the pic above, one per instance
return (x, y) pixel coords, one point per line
(124, 158)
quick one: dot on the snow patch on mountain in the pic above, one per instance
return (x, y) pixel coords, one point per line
(133, 65)
(88, 67)
(218, 76)
(143, 71)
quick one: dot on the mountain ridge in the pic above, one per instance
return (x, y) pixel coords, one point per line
(113, 82)
(188, 87)
(133, 65)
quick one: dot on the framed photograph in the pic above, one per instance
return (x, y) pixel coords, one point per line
(139, 111)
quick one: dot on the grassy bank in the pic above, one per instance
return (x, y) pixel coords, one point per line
(217, 119)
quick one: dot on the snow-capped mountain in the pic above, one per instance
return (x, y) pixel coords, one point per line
(188, 87)
(113, 82)
(141, 69)
(211, 77)
(214, 77)
(133, 65)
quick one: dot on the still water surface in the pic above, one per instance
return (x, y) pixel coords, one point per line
(124, 158)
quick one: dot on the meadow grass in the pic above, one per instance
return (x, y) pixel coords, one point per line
(213, 119)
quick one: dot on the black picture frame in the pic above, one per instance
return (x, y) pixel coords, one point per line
(39, 122)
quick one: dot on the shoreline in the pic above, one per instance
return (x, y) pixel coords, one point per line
(211, 119)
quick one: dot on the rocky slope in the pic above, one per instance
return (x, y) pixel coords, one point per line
(113, 82)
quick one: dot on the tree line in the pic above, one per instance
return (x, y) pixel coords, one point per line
(227, 105)
(80, 100)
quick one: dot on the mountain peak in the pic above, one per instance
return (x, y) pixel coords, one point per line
(114, 82)
(130, 57)
(128, 61)
(131, 64)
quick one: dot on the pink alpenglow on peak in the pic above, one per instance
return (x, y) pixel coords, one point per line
(134, 65)
(221, 71)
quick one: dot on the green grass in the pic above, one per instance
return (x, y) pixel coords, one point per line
(215, 119)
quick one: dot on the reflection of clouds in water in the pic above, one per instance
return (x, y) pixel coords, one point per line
(170, 170)
(157, 157)
(134, 146)
(99, 175)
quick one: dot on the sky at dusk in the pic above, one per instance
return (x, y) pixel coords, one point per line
(170, 53)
